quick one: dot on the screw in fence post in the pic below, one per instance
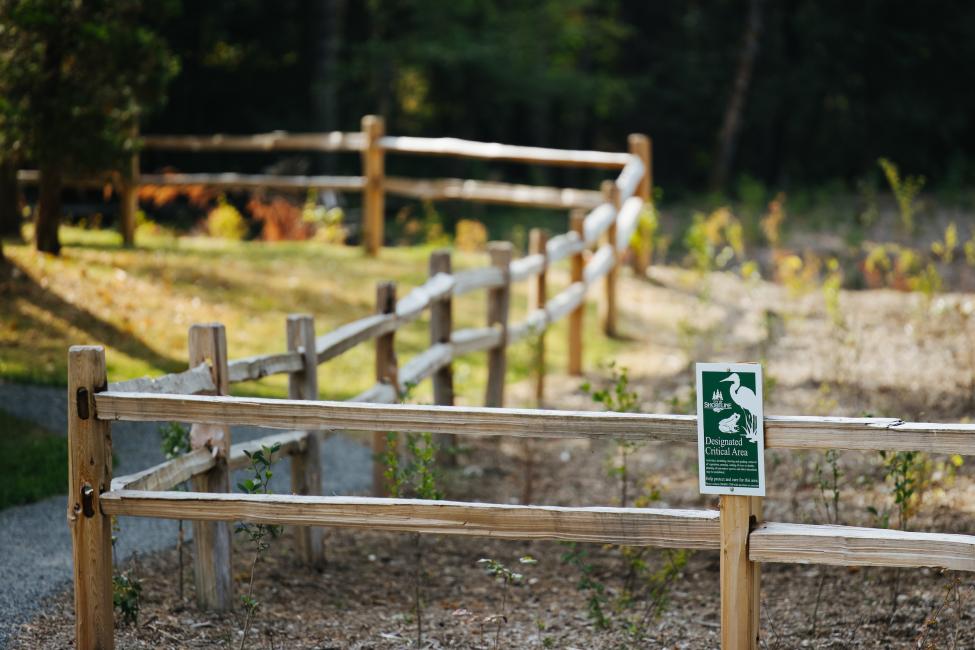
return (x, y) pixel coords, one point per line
(639, 146)
(740, 578)
(537, 296)
(212, 540)
(577, 218)
(129, 195)
(373, 171)
(89, 472)
(607, 307)
(499, 302)
(306, 466)
(441, 326)
(386, 372)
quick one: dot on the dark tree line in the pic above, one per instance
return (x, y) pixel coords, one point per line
(829, 86)
(791, 92)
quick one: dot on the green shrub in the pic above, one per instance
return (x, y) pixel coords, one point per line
(226, 222)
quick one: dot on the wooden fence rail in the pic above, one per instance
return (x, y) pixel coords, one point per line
(374, 145)
(737, 530)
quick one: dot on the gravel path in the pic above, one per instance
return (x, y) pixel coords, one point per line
(35, 542)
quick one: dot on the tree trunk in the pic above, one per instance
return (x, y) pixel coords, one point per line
(9, 200)
(731, 127)
(49, 210)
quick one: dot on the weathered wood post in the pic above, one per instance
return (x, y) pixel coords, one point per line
(387, 371)
(89, 474)
(212, 540)
(537, 296)
(611, 194)
(639, 146)
(441, 326)
(499, 302)
(740, 578)
(129, 195)
(306, 467)
(373, 198)
(577, 218)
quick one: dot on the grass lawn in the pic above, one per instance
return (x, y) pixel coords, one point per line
(140, 302)
(33, 462)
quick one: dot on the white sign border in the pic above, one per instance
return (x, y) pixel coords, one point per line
(730, 367)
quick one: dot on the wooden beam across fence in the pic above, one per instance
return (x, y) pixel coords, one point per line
(783, 432)
(696, 529)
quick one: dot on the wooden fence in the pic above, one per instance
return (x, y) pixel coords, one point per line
(199, 396)
(737, 530)
(373, 145)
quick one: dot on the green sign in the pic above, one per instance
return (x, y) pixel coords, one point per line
(730, 432)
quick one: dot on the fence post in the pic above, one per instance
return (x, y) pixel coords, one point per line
(373, 201)
(306, 467)
(212, 541)
(611, 195)
(577, 218)
(386, 372)
(537, 295)
(639, 145)
(129, 196)
(89, 474)
(441, 326)
(499, 301)
(740, 579)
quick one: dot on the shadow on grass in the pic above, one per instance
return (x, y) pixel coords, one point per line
(96, 329)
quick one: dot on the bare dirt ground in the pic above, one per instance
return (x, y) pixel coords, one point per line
(879, 352)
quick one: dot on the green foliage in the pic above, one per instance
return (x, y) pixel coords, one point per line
(259, 465)
(417, 476)
(828, 478)
(577, 557)
(259, 535)
(619, 397)
(905, 189)
(506, 577)
(175, 439)
(328, 222)
(832, 286)
(714, 240)
(126, 596)
(944, 249)
(74, 76)
(226, 222)
(911, 475)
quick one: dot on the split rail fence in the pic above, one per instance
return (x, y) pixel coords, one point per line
(374, 145)
(200, 396)
(737, 530)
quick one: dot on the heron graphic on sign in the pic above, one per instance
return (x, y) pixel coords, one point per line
(745, 398)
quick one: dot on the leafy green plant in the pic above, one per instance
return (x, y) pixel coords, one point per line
(644, 239)
(944, 248)
(619, 397)
(176, 442)
(259, 535)
(577, 557)
(127, 596)
(506, 577)
(414, 478)
(905, 189)
(828, 476)
(654, 586)
(714, 240)
(832, 286)
(226, 222)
